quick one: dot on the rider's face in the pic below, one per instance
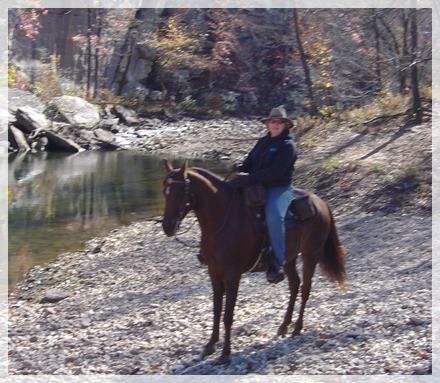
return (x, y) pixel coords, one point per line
(275, 126)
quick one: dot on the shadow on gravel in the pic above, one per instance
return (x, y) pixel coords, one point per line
(252, 359)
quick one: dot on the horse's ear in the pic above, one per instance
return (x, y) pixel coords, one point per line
(184, 168)
(168, 166)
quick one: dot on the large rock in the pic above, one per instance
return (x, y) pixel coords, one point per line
(109, 124)
(18, 98)
(105, 139)
(17, 139)
(58, 143)
(54, 295)
(30, 119)
(104, 135)
(128, 116)
(75, 111)
(142, 69)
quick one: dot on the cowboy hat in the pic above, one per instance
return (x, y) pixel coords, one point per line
(278, 113)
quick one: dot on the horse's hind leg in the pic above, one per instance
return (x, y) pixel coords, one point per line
(218, 291)
(292, 274)
(309, 266)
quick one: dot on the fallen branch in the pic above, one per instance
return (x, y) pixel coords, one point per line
(386, 117)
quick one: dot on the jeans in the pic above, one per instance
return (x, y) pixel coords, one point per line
(278, 199)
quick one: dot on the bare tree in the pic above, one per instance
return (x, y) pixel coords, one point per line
(305, 65)
(417, 105)
(89, 50)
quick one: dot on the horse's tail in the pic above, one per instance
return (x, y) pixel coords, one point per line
(332, 261)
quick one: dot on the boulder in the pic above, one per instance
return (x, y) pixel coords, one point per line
(104, 135)
(58, 143)
(74, 110)
(105, 139)
(11, 118)
(109, 123)
(17, 139)
(128, 116)
(40, 144)
(105, 145)
(54, 295)
(30, 119)
(18, 98)
(142, 69)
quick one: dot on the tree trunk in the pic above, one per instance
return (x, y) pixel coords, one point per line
(404, 61)
(89, 50)
(305, 65)
(377, 44)
(417, 105)
(98, 42)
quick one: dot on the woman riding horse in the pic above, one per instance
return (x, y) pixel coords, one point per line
(271, 163)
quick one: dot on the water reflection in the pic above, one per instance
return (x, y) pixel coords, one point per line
(58, 201)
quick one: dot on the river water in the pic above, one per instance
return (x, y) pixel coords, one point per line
(56, 202)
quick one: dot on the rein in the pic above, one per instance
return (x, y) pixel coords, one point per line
(187, 203)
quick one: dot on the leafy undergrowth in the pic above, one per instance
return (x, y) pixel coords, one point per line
(364, 167)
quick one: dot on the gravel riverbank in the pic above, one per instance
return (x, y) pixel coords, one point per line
(219, 139)
(140, 303)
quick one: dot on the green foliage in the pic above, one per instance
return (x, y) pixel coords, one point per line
(329, 165)
(106, 96)
(188, 104)
(386, 103)
(12, 75)
(47, 83)
(177, 46)
(74, 90)
(378, 167)
(133, 100)
(17, 79)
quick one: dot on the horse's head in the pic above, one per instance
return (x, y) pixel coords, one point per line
(177, 197)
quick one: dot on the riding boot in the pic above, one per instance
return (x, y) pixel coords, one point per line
(274, 275)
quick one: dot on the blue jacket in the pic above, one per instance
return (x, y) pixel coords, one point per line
(271, 161)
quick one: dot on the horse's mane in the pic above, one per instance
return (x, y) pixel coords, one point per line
(211, 176)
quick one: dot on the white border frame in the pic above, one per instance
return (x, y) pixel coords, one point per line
(216, 4)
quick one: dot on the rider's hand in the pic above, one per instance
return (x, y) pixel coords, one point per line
(235, 166)
(240, 180)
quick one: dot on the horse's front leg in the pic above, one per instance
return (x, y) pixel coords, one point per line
(231, 287)
(218, 291)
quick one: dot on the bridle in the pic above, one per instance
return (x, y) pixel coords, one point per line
(186, 199)
(188, 202)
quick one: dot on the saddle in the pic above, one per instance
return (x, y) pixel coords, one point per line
(300, 209)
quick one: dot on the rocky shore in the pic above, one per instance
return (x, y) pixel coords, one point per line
(137, 302)
(72, 124)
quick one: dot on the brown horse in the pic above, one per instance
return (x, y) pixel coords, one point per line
(231, 243)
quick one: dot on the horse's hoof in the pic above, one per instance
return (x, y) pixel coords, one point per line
(223, 359)
(296, 333)
(282, 331)
(208, 350)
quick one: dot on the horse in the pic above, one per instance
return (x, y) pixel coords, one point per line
(231, 242)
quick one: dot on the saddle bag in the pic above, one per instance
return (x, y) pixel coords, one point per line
(255, 195)
(303, 208)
